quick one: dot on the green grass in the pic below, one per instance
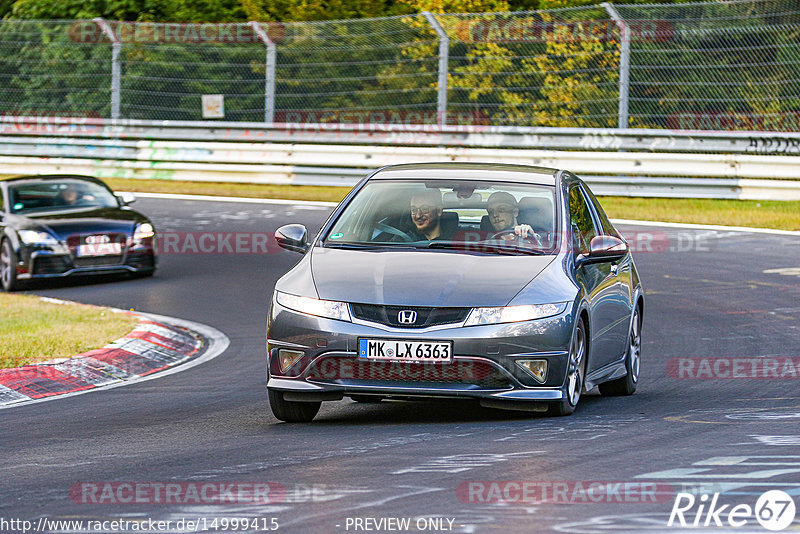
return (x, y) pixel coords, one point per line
(783, 215)
(32, 330)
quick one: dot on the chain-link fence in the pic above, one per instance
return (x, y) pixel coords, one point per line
(696, 66)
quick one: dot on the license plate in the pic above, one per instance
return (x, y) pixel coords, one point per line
(99, 249)
(407, 351)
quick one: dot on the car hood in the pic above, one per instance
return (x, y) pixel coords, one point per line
(422, 278)
(63, 224)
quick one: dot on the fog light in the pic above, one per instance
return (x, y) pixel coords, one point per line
(287, 358)
(536, 368)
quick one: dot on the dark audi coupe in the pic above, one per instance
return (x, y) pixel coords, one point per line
(60, 225)
(504, 284)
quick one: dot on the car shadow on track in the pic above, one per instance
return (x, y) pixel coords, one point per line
(77, 281)
(433, 411)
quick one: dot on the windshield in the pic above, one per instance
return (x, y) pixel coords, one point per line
(50, 195)
(481, 217)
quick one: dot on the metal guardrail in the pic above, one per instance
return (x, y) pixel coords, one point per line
(634, 162)
(598, 139)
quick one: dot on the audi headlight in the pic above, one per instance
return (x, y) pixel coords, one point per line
(33, 237)
(143, 231)
(322, 308)
(513, 314)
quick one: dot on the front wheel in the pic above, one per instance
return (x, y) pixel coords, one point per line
(292, 411)
(576, 372)
(627, 384)
(8, 267)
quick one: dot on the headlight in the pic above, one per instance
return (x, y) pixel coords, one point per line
(143, 231)
(513, 314)
(33, 237)
(322, 308)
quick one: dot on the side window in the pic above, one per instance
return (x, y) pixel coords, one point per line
(583, 229)
(608, 228)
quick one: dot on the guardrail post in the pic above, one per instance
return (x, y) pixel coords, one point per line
(269, 75)
(116, 73)
(444, 54)
(624, 63)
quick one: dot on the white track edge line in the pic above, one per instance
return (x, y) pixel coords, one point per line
(719, 227)
(245, 200)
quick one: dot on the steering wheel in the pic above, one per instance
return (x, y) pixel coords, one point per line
(510, 231)
(394, 231)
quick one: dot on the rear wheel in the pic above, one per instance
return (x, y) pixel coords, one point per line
(292, 411)
(576, 372)
(627, 384)
(8, 267)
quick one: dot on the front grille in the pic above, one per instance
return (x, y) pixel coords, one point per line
(97, 261)
(389, 315)
(50, 265)
(480, 374)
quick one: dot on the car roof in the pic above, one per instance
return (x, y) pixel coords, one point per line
(45, 177)
(500, 172)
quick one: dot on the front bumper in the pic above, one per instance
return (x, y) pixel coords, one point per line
(483, 363)
(58, 262)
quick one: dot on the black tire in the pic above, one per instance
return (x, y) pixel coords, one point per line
(626, 385)
(292, 411)
(366, 399)
(8, 267)
(576, 373)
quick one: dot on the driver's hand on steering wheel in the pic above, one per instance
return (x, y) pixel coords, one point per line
(524, 230)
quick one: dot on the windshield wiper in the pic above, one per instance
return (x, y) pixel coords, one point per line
(351, 246)
(365, 246)
(478, 246)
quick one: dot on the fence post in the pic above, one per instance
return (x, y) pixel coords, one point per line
(116, 73)
(269, 75)
(624, 63)
(444, 54)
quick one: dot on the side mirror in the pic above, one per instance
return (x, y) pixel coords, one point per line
(604, 248)
(292, 237)
(126, 198)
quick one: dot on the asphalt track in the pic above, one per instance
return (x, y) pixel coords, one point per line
(707, 297)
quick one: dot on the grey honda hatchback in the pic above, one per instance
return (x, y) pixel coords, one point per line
(502, 283)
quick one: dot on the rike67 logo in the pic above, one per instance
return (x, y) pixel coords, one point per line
(774, 510)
